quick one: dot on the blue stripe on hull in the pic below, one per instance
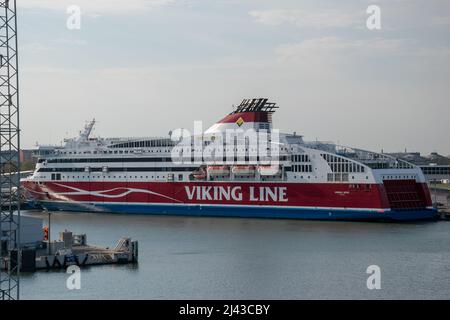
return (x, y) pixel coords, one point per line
(243, 211)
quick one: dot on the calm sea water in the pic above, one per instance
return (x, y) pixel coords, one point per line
(223, 258)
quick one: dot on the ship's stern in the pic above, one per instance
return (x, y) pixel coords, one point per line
(408, 200)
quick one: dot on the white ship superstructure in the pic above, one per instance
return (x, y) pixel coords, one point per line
(310, 180)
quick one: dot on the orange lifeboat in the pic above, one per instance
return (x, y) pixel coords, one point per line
(243, 170)
(218, 170)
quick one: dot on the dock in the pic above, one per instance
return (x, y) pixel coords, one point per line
(72, 249)
(441, 200)
(444, 215)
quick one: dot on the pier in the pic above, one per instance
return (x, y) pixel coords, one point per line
(73, 250)
(39, 253)
(440, 194)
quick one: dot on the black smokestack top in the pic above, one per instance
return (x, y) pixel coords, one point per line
(256, 105)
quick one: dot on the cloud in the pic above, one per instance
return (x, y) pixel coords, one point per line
(97, 6)
(309, 18)
(337, 47)
(70, 42)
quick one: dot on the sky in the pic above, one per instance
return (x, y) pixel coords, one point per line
(145, 67)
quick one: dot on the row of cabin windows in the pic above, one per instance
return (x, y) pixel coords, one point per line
(338, 164)
(401, 177)
(151, 151)
(227, 159)
(300, 158)
(436, 170)
(57, 176)
(338, 177)
(110, 151)
(186, 152)
(388, 165)
(346, 167)
(379, 165)
(145, 144)
(153, 159)
(302, 168)
(95, 160)
(131, 169)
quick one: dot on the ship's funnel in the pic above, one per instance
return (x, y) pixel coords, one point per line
(250, 114)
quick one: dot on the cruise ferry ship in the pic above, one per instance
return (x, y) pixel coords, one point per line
(296, 179)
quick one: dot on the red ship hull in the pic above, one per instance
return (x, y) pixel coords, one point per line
(397, 200)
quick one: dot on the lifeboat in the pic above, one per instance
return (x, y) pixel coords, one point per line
(218, 170)
(269, 170)
(243, 170)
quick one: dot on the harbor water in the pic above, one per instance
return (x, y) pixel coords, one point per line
(224, 258)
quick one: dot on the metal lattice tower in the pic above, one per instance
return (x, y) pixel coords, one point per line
(9, 153)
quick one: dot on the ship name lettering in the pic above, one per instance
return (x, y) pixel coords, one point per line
(221, 193)
(265, 194)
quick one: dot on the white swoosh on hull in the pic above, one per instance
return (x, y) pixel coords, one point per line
(127, 191)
